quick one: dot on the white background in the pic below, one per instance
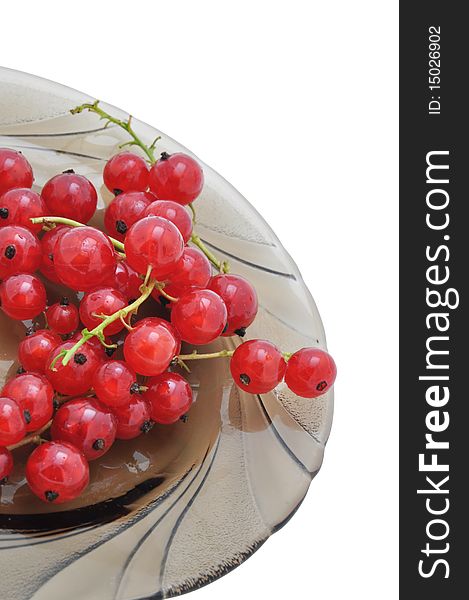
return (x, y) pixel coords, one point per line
(295, 103)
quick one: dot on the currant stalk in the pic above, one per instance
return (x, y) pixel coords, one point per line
(71, 223)
(197, 356)
(146, 290)
(222, 266)
(221, 354)
(35, 436)
(126, 125)
(94, 107)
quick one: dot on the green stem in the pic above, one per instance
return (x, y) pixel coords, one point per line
(99, 329)
(221, 354)
(223, 267)
(191, 206)
(126, 125)
(196, 356)
(71, 223)
(160, 288)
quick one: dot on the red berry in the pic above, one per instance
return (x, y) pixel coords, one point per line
(12, 423)
(48, 242)
(34, 349)
(18, 206)
(169, 396)
(35, 395)
(22, 296)
(87, 424)
(127, 280)
(15, 171)
(150, 347)
(124, 211)
(173, 331)
(75, 377)
(126, 172)
(257, 366)
(199, 316)
(6, 464)
(175, 213)
(84, 258)
(176, 177)
(133, 419)
(156, 242)
(115, 383)
(20, 251)
(103, 301)
(193, 271)
(311, 372)
(62, 317)
(70, 195)
(57, 472)
(240, 299)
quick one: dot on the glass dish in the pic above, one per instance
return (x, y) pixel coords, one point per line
(171, 511)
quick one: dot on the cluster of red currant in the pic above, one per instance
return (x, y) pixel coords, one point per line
(69, 382)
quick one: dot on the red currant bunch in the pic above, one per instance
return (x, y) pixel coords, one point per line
(72, 394)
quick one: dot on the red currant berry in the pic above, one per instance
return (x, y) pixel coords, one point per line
(103, 301)
(126, 172)
(257, 366)
(115, 383)
(18, 206)
(34, 349)
(6, 464)
(22, 296)
(133, 419)
(193, 271)
(199, 316)
(15, 171)
(156, 242)
(127, 280)
(57, 472)
(20, 251)
(70, 195)
(75, 377)
(150, 347)
(124, 211)
(62, 316)
(12, 423)
(169, 396)
(174, 212)
(311, 372)
(240, 299)
(176, 177)
(48, 242)
(84, 258)
(35, 395)
(87, 424)
(172, 330)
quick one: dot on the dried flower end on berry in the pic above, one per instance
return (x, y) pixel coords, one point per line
(176, 177)
(34, 395)
(257, 366)
(87, 424)
(311, 372)
(70, 469)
